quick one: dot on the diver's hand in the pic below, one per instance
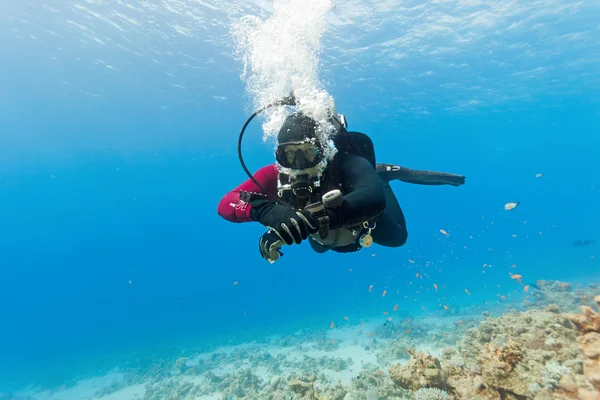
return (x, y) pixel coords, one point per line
(291, 225)
(269, 245)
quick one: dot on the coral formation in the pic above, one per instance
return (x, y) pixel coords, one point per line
(375, 385)
(431, 394)
(563, 295)
(537, 354)
(541, 353)
(422, 371)
(588, 330)
(529, 355)
(393, 350)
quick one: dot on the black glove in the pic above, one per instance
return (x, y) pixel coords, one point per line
(269, 245)
(291, 225)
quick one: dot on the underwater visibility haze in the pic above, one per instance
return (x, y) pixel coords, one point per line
(119, 125)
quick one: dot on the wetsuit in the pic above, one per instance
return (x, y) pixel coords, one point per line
(367, 197)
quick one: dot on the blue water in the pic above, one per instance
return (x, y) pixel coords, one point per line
(115, 176)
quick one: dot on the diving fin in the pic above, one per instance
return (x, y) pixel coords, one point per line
(390, 172)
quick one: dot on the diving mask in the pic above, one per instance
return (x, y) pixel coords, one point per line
(299, 155)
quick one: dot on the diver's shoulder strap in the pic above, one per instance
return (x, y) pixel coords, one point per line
(332, 179)
(356, 143)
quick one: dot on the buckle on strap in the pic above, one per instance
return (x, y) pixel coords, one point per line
(251, 196)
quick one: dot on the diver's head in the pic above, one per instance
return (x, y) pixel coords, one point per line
(298, 144)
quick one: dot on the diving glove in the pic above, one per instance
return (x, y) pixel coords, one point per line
(291, 225)
(270, 244)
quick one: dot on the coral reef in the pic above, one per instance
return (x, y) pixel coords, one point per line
(375, 386)
(537, 354)
(549, 351)
(588, 330)
(422, 371)
(393, 350)
(171, 389)
(431, 394)
(180, 365)
(564, 295)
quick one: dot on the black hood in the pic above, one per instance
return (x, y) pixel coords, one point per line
(296, 128)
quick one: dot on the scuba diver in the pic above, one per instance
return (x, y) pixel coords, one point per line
(341, 202)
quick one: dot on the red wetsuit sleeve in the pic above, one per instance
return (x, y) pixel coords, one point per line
(233, 209)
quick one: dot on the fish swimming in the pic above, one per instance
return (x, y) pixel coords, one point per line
(535, 286)
(583, 242)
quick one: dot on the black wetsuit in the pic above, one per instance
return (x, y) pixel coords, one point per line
(367, 194)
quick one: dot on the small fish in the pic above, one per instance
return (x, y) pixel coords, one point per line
(580, 243)
(350, 270)
(435, 287)
(511, 206)
(417, 275)
(396, 307)
(443, 232)
(235, 283)
(332, 325)
(386, 313)
(345, 317)
(131, 283)
(467, 292)
(517, 277)
(371, 288)
(384, 293)
(526, 289)
(539, 175)
(535, 286)
(389, 318)
(407, 331)
(446, 308)
(411, 261)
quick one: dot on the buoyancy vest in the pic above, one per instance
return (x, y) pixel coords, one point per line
(346, 143)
